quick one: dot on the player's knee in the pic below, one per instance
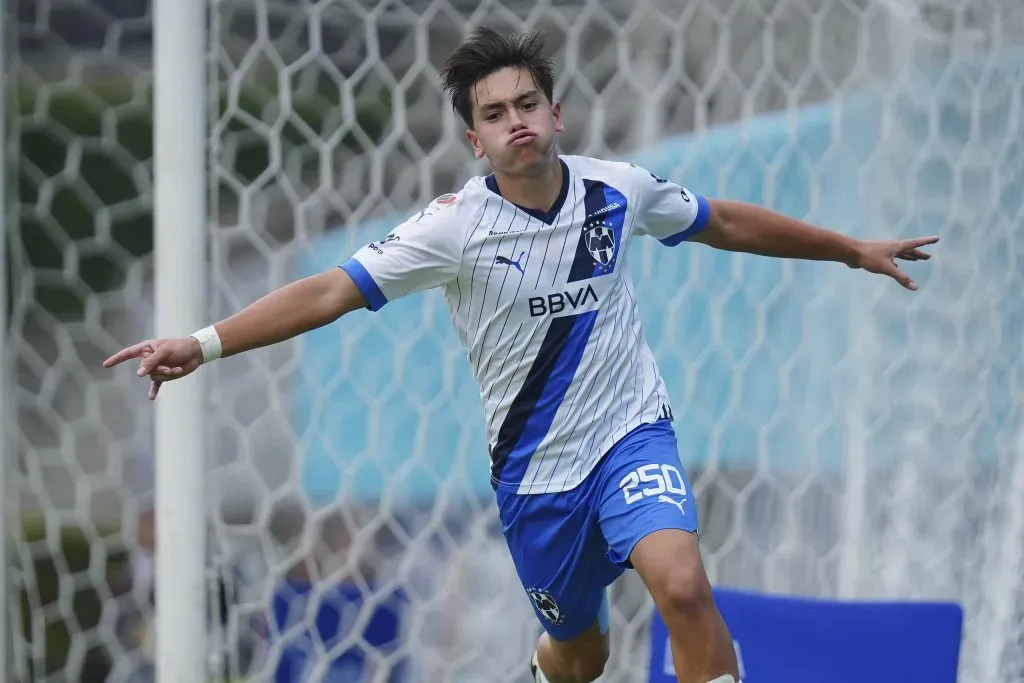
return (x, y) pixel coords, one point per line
(583, 660)
(685, 590)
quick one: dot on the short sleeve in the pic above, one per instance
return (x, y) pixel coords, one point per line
(421, 253)
(669, 212)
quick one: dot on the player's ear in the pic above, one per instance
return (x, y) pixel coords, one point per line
(474, 140)
(556, 113)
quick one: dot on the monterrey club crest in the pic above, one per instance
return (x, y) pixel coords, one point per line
(599, 239)
(546, 605)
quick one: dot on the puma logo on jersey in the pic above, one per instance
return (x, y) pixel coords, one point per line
(678, 503)
(517, 264)
(561, 302)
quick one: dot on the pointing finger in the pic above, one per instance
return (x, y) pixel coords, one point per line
(136, 351)
(908, 245)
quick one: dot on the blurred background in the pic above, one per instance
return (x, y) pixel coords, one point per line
(845, 438)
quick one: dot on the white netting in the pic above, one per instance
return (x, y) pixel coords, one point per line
(844, 438)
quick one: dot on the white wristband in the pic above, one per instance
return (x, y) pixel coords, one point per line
(209, 342)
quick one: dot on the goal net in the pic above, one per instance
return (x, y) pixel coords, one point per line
(844, 438)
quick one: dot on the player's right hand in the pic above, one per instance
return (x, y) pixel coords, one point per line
(162, 360)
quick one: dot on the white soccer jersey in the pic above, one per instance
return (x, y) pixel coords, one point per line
(545, 307)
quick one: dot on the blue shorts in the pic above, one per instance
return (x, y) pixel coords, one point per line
(569, 546)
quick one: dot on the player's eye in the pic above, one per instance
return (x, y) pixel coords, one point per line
(529, 105)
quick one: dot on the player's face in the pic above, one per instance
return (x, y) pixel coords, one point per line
(514, 123)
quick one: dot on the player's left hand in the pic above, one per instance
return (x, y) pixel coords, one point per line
(880, 257)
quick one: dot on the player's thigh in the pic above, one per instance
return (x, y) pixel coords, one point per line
(649, 517)
(558, 553)
(669, 563)
(645, 490)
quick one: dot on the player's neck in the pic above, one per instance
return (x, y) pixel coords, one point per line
(536, 191)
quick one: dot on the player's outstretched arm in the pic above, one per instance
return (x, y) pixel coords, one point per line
(292, 310)
(736, 226)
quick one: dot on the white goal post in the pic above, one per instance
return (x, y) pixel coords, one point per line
(180, 306)
(323, 506)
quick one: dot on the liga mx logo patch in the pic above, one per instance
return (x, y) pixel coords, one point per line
(600, 242)
(546, 605)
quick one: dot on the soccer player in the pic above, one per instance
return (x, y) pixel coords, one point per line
(532, 261)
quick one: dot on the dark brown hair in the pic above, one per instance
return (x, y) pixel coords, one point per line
(486, 51)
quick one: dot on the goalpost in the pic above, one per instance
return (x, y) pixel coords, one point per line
(180, 228)
(324, 505)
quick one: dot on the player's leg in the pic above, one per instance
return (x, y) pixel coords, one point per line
(579, 660)
(559, 554)
(669, 563)
(649, 517)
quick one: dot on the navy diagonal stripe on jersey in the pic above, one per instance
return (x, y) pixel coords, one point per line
(533, 410)
(616, 218)
(598, 197)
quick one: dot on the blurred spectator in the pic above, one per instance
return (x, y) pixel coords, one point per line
(136, 623)
(332, 617)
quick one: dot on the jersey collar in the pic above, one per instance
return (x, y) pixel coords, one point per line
(551, 214)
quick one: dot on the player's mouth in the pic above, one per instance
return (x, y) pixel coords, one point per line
(524, 137)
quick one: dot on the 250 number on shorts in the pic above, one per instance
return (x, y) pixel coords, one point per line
(652, 480)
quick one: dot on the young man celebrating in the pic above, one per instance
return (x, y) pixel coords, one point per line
(531, 259)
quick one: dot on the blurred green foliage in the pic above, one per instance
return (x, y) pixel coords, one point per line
(85, 162)
(52, 576)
